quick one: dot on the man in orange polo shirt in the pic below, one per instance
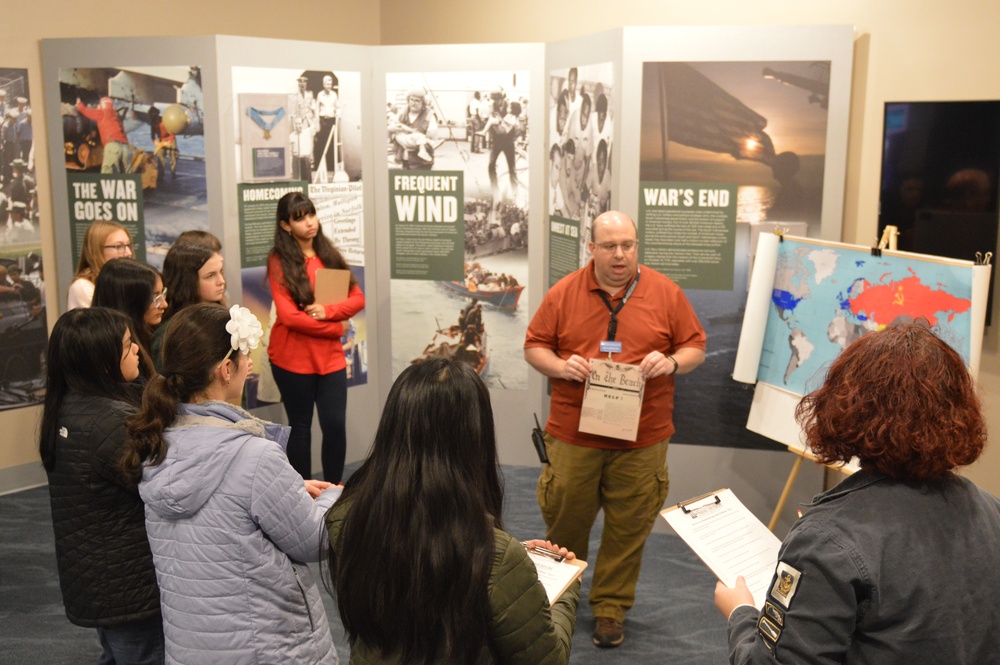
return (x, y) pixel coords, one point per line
(614, 299)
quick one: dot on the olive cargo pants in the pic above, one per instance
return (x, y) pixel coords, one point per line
(630, 485)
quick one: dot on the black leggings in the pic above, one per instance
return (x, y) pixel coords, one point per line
(329, 392)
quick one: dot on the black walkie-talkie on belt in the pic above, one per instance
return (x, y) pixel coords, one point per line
(538, 438)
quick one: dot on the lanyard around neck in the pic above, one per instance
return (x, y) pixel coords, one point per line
(613, 323)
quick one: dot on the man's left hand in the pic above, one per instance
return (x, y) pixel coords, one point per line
(655, 364)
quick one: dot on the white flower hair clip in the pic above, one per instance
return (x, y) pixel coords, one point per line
(245, 330)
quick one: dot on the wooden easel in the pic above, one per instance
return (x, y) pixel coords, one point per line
(792, 475)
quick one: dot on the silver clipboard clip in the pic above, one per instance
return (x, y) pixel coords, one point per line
(544, 551)
(687, 511)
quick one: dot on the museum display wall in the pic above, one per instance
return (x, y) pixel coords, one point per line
(895, 80)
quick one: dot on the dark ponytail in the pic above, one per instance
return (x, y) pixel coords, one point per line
(194, 343)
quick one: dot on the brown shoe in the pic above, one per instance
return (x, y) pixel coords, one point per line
(608, 632)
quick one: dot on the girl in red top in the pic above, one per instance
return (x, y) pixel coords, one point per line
(307, 359)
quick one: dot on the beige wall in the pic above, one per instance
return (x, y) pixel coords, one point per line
(905, 50)
(25, 23)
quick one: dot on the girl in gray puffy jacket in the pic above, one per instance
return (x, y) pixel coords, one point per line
(231, 524)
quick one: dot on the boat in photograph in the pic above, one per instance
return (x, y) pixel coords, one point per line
(469, 346)
(497, 289)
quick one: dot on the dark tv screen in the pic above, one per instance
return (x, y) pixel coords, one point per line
(940, 165)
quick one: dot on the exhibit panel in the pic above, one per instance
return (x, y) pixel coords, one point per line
(289, 152)
(23, 332)
(129, 142)
(583, 102)
(736, 126)
(458, 203)
(295, 118)
(706, 113)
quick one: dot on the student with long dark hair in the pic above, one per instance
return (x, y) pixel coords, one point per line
(230, 522)
(422, 569)
(192, 273)
(104, 561)
(897, 563)
(305, 351)
(137, 291)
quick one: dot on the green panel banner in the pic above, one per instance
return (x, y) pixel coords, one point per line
(108, 197)
(564, 247)
(427, 225)
(258, 205)
(687, 231)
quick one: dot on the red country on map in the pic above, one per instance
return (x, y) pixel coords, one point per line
(882, 303)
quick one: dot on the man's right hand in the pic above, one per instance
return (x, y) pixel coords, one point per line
(575, 368)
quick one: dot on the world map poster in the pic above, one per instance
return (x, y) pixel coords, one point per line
(809, 299)
(826, 297)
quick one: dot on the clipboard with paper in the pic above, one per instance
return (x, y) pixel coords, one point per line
(554, 572)
(728, 539)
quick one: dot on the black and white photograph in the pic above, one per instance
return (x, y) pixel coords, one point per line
(475, 123)
(22, 288)
(581, 129)
(313, 114)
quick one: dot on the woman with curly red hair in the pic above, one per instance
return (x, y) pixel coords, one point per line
(897, 564)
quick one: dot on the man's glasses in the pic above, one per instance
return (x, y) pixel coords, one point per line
(160, 298)
(121, 247)
(609, 247)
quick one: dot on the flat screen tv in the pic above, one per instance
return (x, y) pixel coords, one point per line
(940, 167)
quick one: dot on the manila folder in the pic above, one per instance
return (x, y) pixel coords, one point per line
(332, 285)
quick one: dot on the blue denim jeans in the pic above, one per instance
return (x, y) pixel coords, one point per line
(132, 643)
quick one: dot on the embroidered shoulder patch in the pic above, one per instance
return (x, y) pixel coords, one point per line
(785, 584)
(768, 630)
(774, 614)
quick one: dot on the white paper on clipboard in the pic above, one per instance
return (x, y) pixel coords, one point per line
(728, 539)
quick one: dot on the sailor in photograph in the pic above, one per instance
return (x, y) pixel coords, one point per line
(410, 132)
(327, 110)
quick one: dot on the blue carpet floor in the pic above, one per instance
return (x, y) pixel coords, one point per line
(673, 621)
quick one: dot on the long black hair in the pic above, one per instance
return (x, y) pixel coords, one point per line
(195, 342)
(128, 286)
(84, 356)
(417, 545)
(292, 207)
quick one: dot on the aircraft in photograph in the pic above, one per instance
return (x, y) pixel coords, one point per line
(143, 98)
(818, 89)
